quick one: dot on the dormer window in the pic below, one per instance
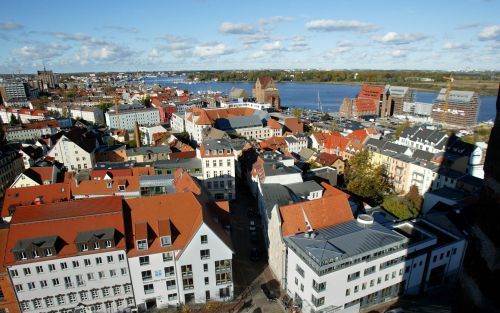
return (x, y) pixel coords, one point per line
(48, 252)
(35, 254)
(221, 152)
(121, 187)
(108, 244)
(109, 184)
(22, 255)
(97, 246)
(84, 247)
(166, 241)
(142, 244)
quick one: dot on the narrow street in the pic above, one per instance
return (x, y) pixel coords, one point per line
(249, 275)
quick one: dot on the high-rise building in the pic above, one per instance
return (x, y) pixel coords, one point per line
(462, 110)
(10, 90)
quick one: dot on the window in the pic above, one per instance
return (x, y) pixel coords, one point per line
(172, 297)
(363, 286)
(187, 270)
(317, 302)
(222, 278)
(220, 163)
(22, 256)
(214, 162)
(169, 271)
(206, 281)
(112, 273)
(25, 305)
(187, 283)
(353, 276)
(121, 257)
(372, 282)
(347, 292)
(86, 262)
(52, 267)
(454, 251)
(60, 299)
(370, 270)
(204, 239)
(149, 288)
(205, 267)
(127, 288)
(110, 259)
(101, 274)
(26, 271)
(117, 290)
(31, 285)
(84, 247)
(39, 269)
(90, 276)
(14, 273)
(72, 297)
(55, 282)
(98, 260)
(105, 292)
(37, 303)
(205, 254)
(207, 295)
(146, 275)
(166, 241)
(379, 280)
(142, 244)
(228, 162)
(97, 246)
(76, 264)
(170, 284)
(67, 282)
(167, 256)
(319, 286)
(299, 270)
(64, 265)
(35, 254)
(94, 293)
(19, 287)
(356, 288)
(123, 271)
(43, 283)
(84, 295)
(207, 163)
(144, 260)
(434, 259)
(386, 277)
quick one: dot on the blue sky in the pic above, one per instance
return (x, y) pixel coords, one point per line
(73, 36)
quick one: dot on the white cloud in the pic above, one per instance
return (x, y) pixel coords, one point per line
(81, 37)
(154, 53)
(273, 46)
(10, 26)
(399, 38)
(274, 19)
(339, 25)
(210, 50)
(398, 53)
(235, 28)
(108, 54)
(254, 38)
(40, 51)
(455, 46)
(490, 33)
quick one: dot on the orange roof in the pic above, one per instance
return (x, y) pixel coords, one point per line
(150, 210)
(366, 105)
(183, 182)
(4, 233)
(330, 210)
(321, 137)
(327, 159)
(113, 173)
(66, 220)
(358, 135)
(336, 141)
(105, 187)
(208, 117)
(273, 143)
(27, 195)
(294, 124)
(273, 124)
(40, 174)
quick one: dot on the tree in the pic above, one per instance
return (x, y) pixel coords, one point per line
(366, 179)
(297, 112)
(400, 207)
(13, 120)
(104, 106)
(325, 117)
(414, 197)
(400, 129)
(146, 101)
(65, 112)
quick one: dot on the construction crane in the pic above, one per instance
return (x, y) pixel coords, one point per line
(448, 91)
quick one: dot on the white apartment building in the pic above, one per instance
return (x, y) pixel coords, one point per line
(74, 151)
(177, 122)
(148, 132)
(190, 265)
(218, 160)
(296, 143)
(253, 105)
(127, 115)
(87, 112)
(70, 257)
(365, 263)
(30, 131)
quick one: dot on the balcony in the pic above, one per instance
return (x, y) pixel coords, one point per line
(187, 274)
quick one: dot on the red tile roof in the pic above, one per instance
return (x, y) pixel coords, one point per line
(335, 141)
(27, 195)
(273, 124)
(66, 220)
(330, 210)
(105, 187)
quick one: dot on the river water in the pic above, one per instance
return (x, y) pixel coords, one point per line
(305, 95)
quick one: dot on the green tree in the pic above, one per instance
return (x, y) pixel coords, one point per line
(104, 106)
(400, 207)
(400, 129)
(366, 179)
(297, 112)
(13, 120)
(146, 101)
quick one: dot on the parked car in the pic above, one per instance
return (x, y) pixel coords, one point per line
(270, 294)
